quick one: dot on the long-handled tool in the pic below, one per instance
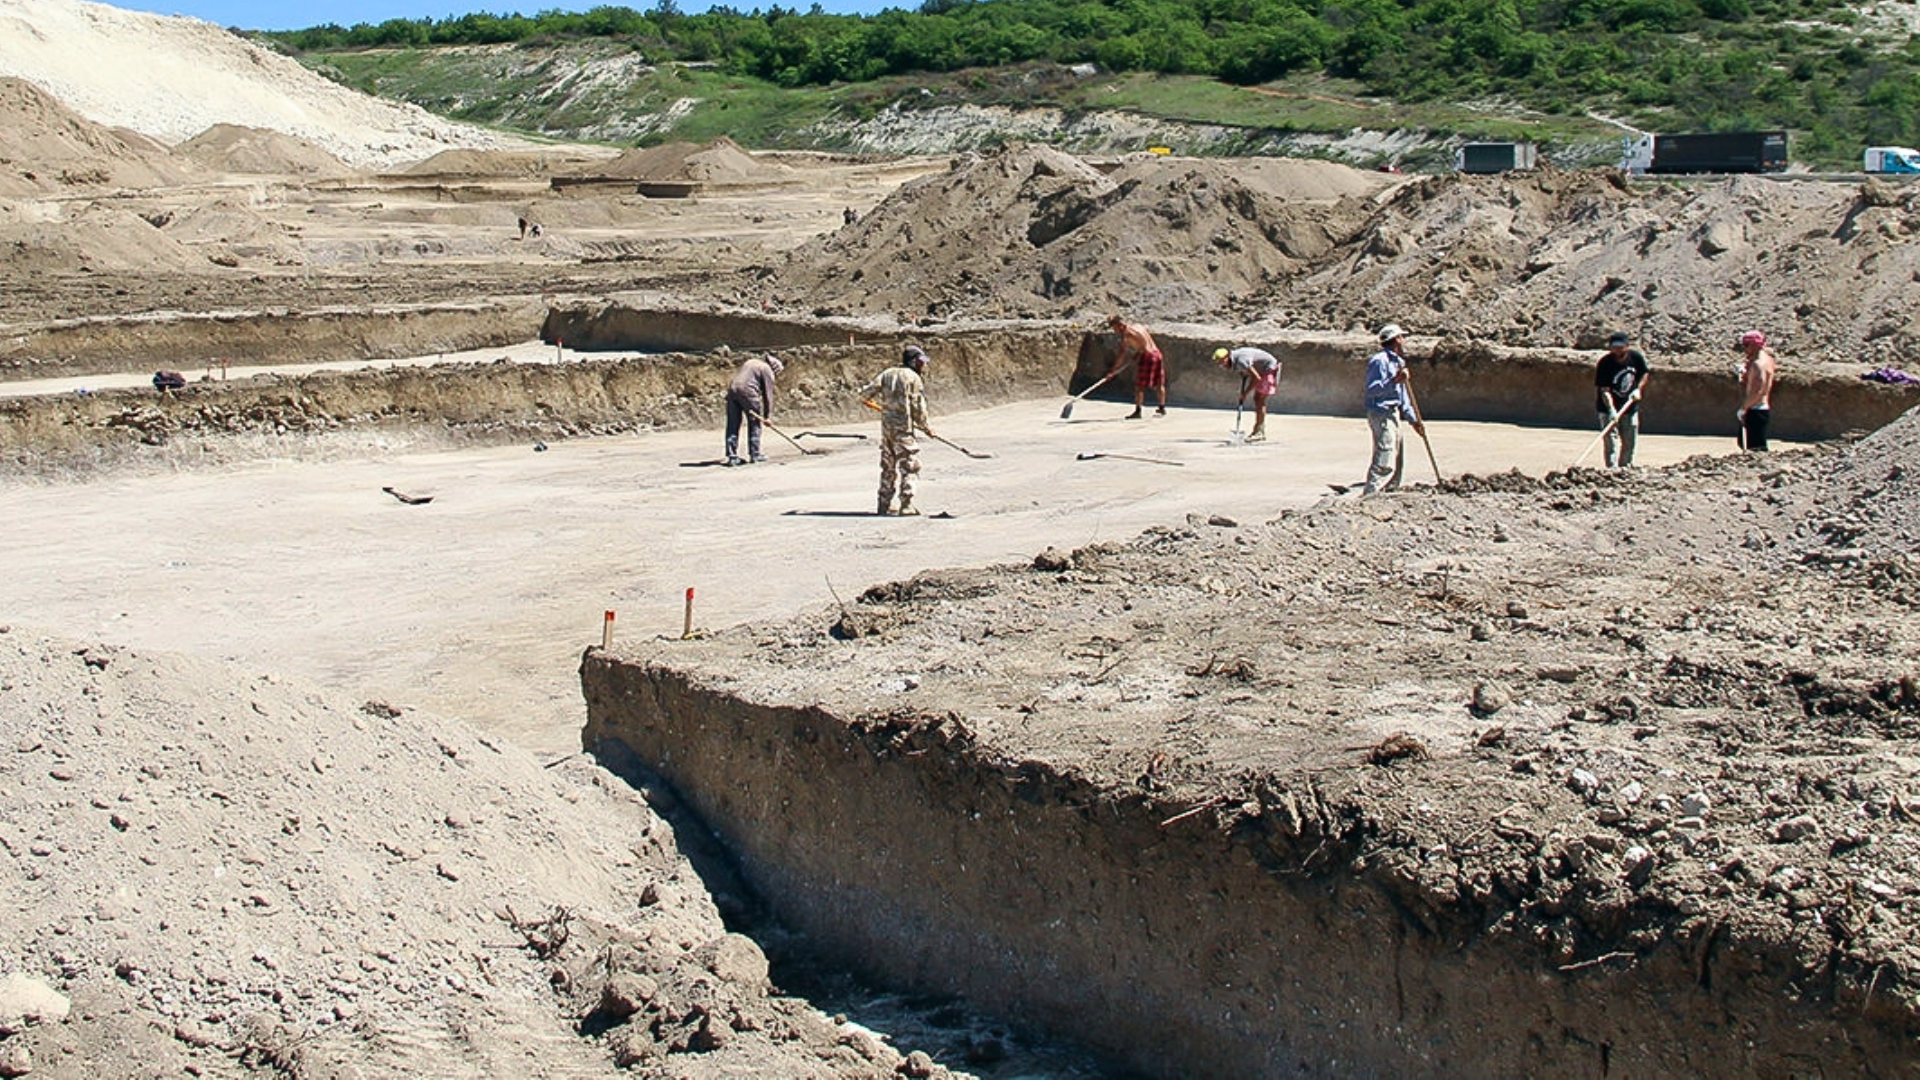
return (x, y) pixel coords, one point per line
(1129, 457)
(782, 434)
(830, 435)
(1239, 409)
(1418, 418)
(1612, 421)
(955, 445)
(1066, 411)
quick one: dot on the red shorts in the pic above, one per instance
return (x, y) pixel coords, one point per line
(1151, 370)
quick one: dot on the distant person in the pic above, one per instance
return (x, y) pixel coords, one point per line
(750, 397)
(168, 381)
(523, 228)
(1259, 374)
(849, 216)
(1756, 385)
(1150, 366)
(1618, 381)
(1388, 405)
(900, 394)
(533, 230)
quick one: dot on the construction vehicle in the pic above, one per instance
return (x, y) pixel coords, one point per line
(1891, 159)
(1495, 157)
(1718, 152)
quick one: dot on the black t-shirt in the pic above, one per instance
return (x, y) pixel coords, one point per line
(1617, 378)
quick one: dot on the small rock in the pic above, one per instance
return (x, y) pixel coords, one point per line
(27, 997)
(1221, 521)
(1583, 781)
(737, 960)
(627, 993)
(1516, 610)
(1638, 864)
(1500, 533)
(1053, 561)
(918, 1065)
(1696, 805)
(1795, 829)
(15, 1060)
(1490, 698)
(1632, 793)
(1480, 632)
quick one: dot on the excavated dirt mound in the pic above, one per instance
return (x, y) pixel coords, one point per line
(55, 238)
(1867, 508)
(232, 148)
(218, 872)
(718, 162)
(1033, 232)
(46, 147)
(1542, 259)
(521, 164)
(1606, 781)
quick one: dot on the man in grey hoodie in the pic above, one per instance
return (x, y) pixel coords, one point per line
(750, 396)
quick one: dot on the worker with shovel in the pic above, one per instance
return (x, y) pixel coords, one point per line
(1389, 402)
(1259, 374)
(1757, 373)
(901, 396)
(750, 398)
(1619, 381)
(1149, 364)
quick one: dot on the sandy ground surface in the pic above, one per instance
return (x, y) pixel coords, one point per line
(477, 605)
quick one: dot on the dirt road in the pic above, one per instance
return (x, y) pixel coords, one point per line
(478, 604)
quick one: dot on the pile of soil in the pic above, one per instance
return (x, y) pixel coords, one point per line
(214, 866)
(46, 147)
(721, 161)
(1867, 515)
(88, 238)
(1032, 232)
(1542, 259)
(232, 148)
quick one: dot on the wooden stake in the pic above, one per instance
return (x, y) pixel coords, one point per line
(606, 633)
(687, 629)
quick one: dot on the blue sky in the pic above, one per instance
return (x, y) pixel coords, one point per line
(299, 14)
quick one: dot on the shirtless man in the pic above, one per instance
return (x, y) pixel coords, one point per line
(1150, 369)
(1756, 384)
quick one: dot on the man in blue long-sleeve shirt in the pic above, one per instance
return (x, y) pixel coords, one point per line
(1388, 403)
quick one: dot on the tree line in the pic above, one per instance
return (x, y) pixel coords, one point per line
(1814, 66)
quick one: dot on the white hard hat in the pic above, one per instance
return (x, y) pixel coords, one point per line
(1391, 331)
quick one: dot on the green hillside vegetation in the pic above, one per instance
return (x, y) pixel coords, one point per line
(1830, 74)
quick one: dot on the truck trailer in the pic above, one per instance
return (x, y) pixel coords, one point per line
(1495, 157)
(1891, 159)
(1720, 152)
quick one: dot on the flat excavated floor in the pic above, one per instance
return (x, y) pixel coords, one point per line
(478, 604)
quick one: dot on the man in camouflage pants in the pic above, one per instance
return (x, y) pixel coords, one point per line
(901, 397)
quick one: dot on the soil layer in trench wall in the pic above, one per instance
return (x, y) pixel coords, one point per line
(1240, 933)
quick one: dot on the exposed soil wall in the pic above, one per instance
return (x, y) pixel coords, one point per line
(502, 400)
(1324, 374)
(903, 845)
(185, 342)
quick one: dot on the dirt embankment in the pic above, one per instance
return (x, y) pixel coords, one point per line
(1597, 773)
(213, 421)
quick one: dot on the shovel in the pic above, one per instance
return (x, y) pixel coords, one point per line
(955, 445)
(1612, 421)
(1423, 433)
(1066, 411)
(1129, 457)
(782, 434)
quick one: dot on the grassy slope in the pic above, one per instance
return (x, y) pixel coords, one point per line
(602, 91)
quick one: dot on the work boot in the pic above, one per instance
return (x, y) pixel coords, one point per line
(734, 459)
(1259, 434)
(886, 507)
(1161, 411)
(907, 510)
(758, 458)
(1135, 414)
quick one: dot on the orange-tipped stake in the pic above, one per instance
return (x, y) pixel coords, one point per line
(606, 633)
(687, 629)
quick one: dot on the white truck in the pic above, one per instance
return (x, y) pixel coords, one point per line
(1892, 159)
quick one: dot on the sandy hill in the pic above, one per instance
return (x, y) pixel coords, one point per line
(509, 164)
(214, 872)
(45, 147)
(235, 149)
(172, 78)
(719, 162)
